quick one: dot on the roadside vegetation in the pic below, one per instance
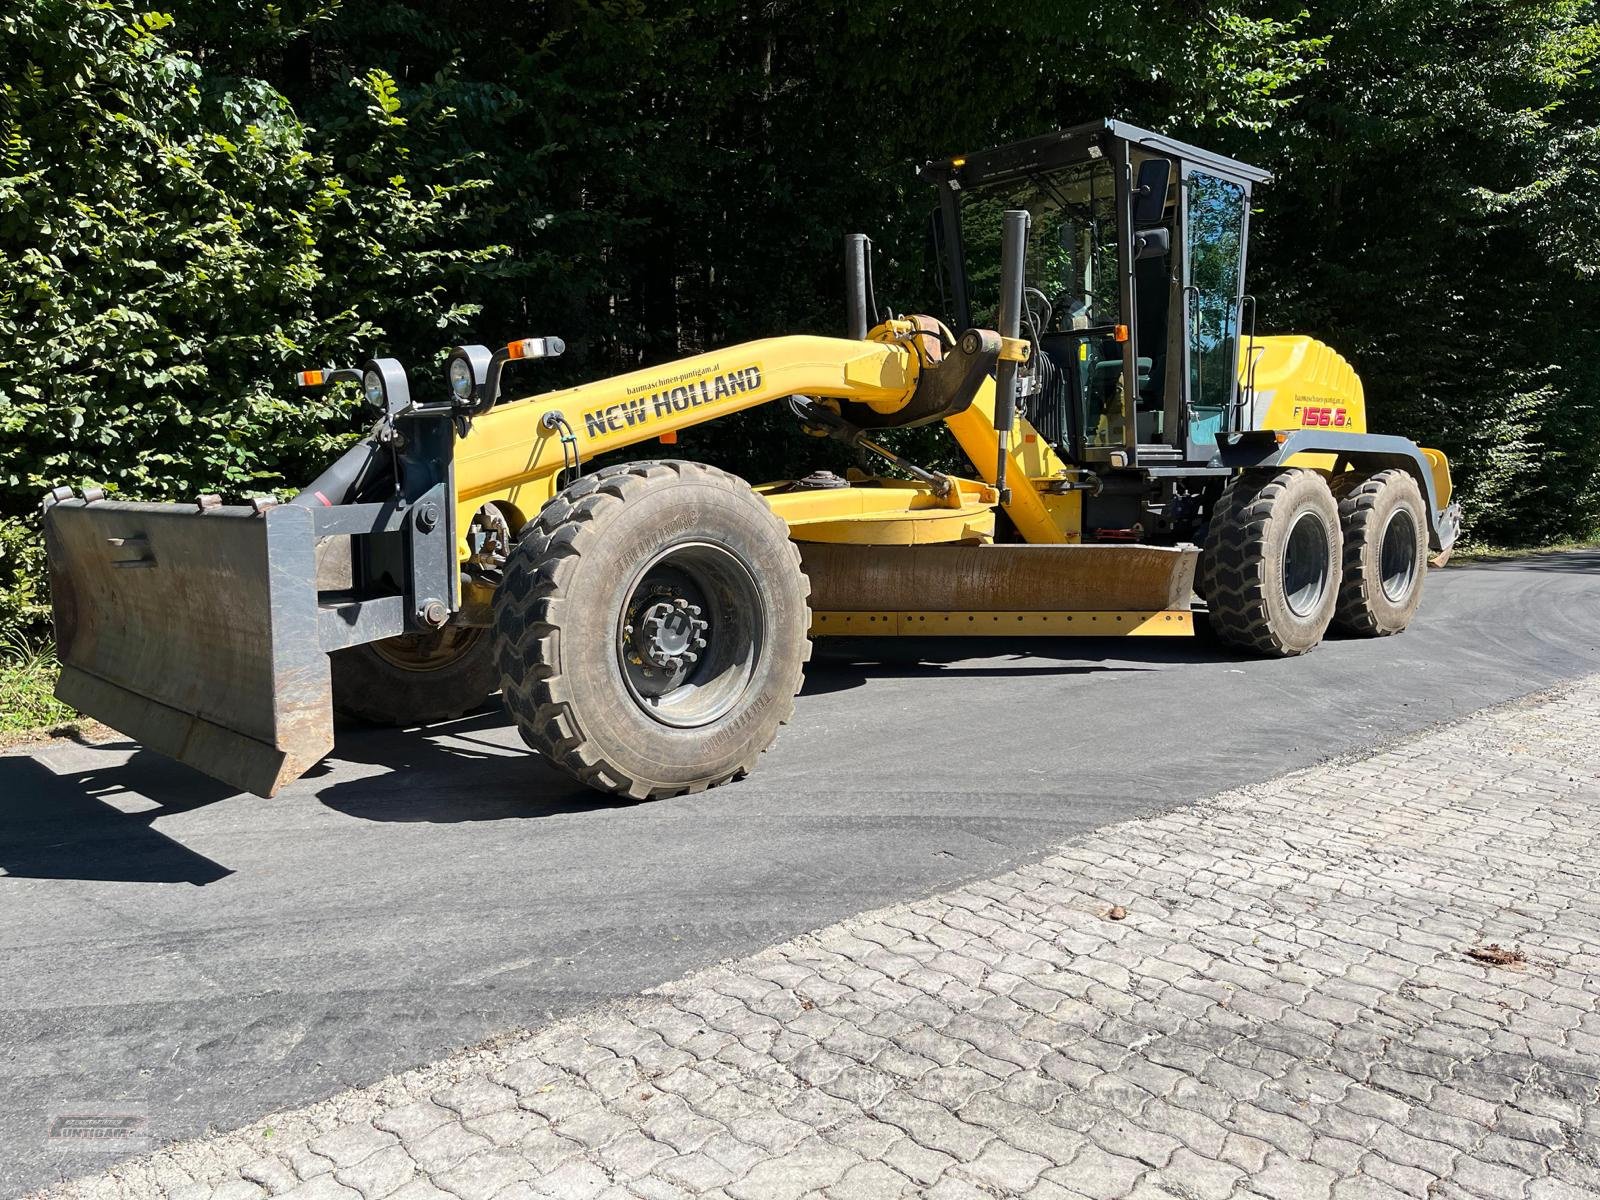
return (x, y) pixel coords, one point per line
(198, 200)
(1471, 551)
(27, 675)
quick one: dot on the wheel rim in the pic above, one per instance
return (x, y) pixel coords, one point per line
(689, 636)
(1397, 558)
(1305, 564)
(432, 651)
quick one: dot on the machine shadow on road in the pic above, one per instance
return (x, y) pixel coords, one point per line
(450, 773)
(839, 664)
(62, 826)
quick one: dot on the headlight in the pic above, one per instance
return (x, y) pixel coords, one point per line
(372, 385)
(461, 381)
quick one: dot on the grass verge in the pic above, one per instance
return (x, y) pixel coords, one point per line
(28, 707)
(1483, 552)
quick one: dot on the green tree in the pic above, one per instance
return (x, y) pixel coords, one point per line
(1432, 218)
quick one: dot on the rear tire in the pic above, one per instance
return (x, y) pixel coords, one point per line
(1385, 554)
(1274, 555)
(1220, 510)
(416, 678)
(652, 629)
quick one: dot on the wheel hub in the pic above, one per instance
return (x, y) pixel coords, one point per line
(689, 634)
(671, 634)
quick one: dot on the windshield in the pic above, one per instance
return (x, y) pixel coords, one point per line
(1072, 249)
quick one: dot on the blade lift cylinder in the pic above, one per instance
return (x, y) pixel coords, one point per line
(1013, 263)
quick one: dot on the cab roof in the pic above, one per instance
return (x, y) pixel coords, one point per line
(1073, 145)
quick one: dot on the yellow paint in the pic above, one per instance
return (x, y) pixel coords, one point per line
(1439, 467)
(1030, 461)
(510, 458)
(1301, 383)
(1168, 623)
(887, 513)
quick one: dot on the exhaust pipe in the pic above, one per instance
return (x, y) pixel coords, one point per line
(858, 298)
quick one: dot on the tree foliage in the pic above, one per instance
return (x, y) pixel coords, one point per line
(197, 201)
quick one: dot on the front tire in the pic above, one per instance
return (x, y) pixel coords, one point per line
(1274, 556)
(651, 630)
(416, 678)
(1385, 554)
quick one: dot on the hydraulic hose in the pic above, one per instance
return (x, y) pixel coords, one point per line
(338, 484)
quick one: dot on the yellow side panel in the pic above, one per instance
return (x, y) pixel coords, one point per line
(1439, 468)
(1301, 383)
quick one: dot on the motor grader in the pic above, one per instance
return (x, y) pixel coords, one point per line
(1131, 441)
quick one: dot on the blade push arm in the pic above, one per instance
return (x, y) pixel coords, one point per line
(514, 454)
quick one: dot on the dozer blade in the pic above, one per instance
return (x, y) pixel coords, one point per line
(195, 633)
(992, 590)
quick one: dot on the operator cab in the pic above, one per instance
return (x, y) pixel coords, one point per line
(1135, 285)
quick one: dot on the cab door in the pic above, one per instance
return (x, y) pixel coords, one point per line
(1216, 223)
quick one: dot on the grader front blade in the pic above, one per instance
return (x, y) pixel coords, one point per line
(195, 633)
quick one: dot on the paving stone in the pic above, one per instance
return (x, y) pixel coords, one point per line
(1286, 1179)
(1490, 1180)
(324, 1187)
(811, 1166)
(871, 1181)
(349, 1144)
(1204, 1178)
(271, 1173)
(475, 1097)
(1098, 1174)
(379, 1174)
(1004, 1168)
(446, 1146)
(409, 1122)
(916, 1162)
(486, 1174)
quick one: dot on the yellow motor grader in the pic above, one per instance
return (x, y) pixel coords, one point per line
(1131, 442)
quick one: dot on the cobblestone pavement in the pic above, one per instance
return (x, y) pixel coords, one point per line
(1375, 978)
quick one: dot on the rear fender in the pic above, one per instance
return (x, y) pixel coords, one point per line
(1364, 451)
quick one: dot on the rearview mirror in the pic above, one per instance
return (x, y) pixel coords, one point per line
(1151, 243)
(1150, 193)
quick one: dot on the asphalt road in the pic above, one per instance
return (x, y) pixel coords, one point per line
(170, 949)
